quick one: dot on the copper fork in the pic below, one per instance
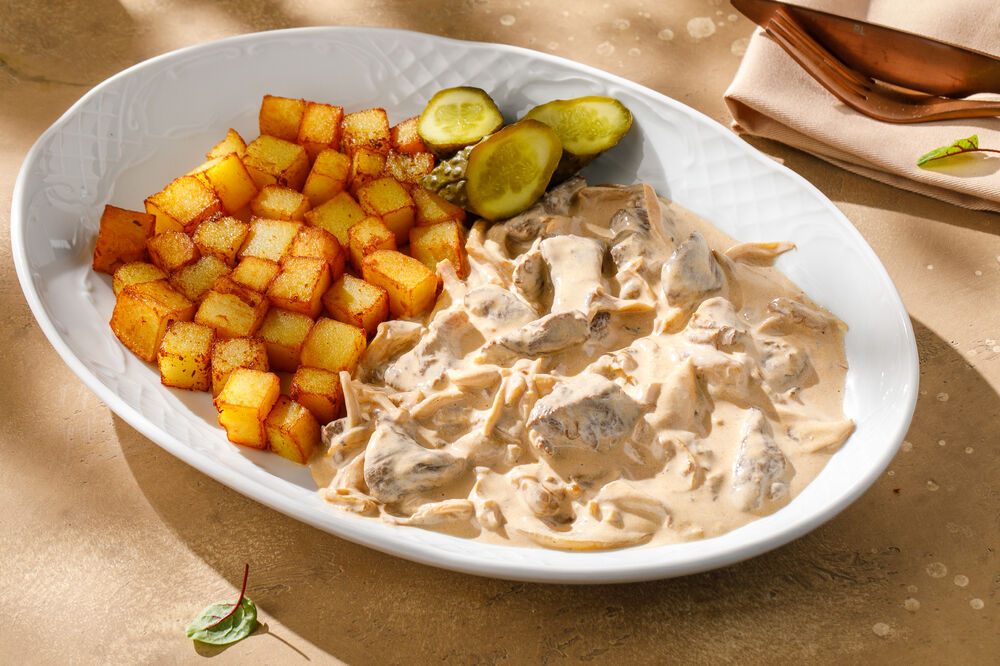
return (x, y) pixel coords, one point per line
(862, 93)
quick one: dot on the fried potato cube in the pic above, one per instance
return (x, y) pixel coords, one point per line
(274, 161)
(337, 215)
(300, 285)
(405, 138)
(411, 285)
(320, 128)
(197, 278)
(409, 168)
(387, 199)
(356, 302)
(283, 333)
(319, 391)
(172, 250)
(256, 273)
(231, 309)
(279, 203)
(320, 244)
(366, 165)
(185, 356)
(233, 143)
(244, 403)
(281, 116)
(333, 345)
(229, 179)
(182, 205)
(365, 129)
(292, 430)
(231, 353)
(222, 237)
(135, 272)
(327, 177)
(433, 208)
(269, 239)
(142, 313)
(434, 242)
(122, 238)
(367, 236)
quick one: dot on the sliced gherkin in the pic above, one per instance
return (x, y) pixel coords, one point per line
(457, 117)
(503, 174)
(586, 126)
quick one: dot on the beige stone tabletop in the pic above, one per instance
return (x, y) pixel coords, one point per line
(110, 545)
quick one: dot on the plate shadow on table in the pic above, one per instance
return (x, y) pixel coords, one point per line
(939, 505)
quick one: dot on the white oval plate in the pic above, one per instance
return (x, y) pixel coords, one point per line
(136, 131)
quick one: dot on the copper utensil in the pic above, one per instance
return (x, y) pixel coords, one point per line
(895, 56)
(860, 92)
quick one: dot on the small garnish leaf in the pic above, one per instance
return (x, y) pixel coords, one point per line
(955, 148)
(223, 623)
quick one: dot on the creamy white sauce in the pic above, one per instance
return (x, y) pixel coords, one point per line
(615, 371)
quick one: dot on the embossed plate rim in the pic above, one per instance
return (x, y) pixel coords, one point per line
(541, 565)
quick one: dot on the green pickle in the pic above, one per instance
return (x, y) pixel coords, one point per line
(457, 117)
(586, 126)
(503, 174)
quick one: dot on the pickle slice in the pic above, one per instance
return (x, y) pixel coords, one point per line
(457, 117)
(587, 126)
(509, 170)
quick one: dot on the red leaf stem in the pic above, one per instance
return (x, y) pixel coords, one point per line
(243, 590)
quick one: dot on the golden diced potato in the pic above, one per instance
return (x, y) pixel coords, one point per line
(142, 313)
(185, 356)
(182, 205)
(232, 183)
(222, 237)
(320, 128)
(279, 203)
(356, 302)
(274, 161)
(408, 168)
(320, 244)
(256, 273)
(434, 242)
(197, 278)
(327, 177)
(172, 250)
(292, 431)
(284, 332)
(300, 285)
(405, 138)
(135, 272)
(122, 238)
(281, 116)
(365, 129)
(386, 198)
(244, 403)
(366, 165)
(233, 143)
(231, 309)
(333, 345)
(337, 215)
(411, 285)
(367, 236)
(432, 208)
(231, 353)
(269, 239)
(319, 391)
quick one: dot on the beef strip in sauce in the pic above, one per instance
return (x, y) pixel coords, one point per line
(614, 371)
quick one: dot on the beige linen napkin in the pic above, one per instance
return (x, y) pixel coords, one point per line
(773, 97)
